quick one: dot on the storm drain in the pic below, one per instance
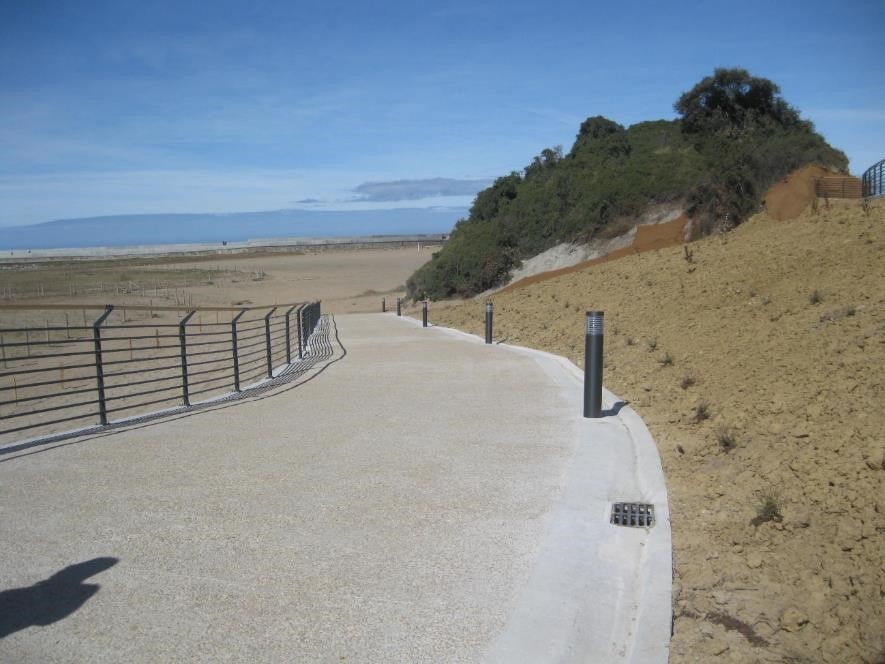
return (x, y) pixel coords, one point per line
(635, 515)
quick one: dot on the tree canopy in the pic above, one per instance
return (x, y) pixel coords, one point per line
(732, 98)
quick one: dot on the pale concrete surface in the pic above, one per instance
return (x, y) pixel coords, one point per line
(424, 499)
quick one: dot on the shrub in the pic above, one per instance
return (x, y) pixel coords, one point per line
(702, 411)
(769, 508)
(726, 437)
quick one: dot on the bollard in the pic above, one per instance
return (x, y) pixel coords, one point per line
(488, 322)
(424, 313)
(593, 365)
(399, 310)
(383, 305)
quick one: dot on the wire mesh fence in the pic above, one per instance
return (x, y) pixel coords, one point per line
(108, 365)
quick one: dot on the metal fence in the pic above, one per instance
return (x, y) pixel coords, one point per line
(122, 363)
(874, 180)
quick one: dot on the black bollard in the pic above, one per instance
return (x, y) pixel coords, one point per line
(424, 314)
(593, 365)
(399, 311)
(488, 322)
(383, 304)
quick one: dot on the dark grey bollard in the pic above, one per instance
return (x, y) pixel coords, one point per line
(593, 365)
(383, 304)
(399, 310)
(424, 314)
(488, 322)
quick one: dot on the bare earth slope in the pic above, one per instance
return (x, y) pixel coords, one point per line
(758, 366)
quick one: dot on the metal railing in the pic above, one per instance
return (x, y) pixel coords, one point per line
(114, 367)
(874, 180)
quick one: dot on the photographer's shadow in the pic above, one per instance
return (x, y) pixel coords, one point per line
(51, 600)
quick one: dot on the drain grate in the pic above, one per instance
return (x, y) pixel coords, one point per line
(635, 515)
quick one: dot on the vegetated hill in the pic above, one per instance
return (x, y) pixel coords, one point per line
(757, 360)
(735, 137)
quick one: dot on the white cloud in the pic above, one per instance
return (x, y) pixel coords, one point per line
(405, 190)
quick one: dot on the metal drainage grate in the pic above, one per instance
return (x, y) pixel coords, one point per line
(635, 515)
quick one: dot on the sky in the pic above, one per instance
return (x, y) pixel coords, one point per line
(121, 107)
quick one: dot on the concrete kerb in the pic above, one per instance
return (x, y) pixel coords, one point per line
(546, 622)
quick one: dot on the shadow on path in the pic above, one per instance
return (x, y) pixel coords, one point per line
(615, 409)
(51, 600)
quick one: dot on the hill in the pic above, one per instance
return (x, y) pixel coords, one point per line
(735, 137)
(151, 229)
(756, 360)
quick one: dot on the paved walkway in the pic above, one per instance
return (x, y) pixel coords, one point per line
(417, 497)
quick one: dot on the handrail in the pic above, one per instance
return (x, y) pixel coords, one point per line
(141, 307)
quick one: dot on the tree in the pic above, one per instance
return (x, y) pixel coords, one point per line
(596, 132)
(489, 200)
(732, 99)
(548, 157)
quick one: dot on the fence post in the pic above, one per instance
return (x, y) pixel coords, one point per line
(424, 313)
(233, 338)
(399, 307)
(305, 323)
(593, 365)
(289, 336)
(488, 322)
(383, 305)
(310, 321)
(298, 325)
(99, 370)
(267, 342)
(182, 341)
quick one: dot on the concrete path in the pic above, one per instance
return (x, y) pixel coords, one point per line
(418, 497)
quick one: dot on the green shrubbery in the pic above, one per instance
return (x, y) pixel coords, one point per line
(736, 136)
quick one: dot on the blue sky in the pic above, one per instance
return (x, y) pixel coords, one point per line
(119, 107)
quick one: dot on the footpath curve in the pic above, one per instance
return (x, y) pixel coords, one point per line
(426, 498)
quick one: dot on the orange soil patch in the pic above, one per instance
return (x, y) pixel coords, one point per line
(648, 238)
(786, 199)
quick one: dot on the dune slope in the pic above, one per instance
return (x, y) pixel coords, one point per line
(757, 359)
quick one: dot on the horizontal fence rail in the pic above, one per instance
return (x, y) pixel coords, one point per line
(874, 180)
(838, 186)
(104, 367)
